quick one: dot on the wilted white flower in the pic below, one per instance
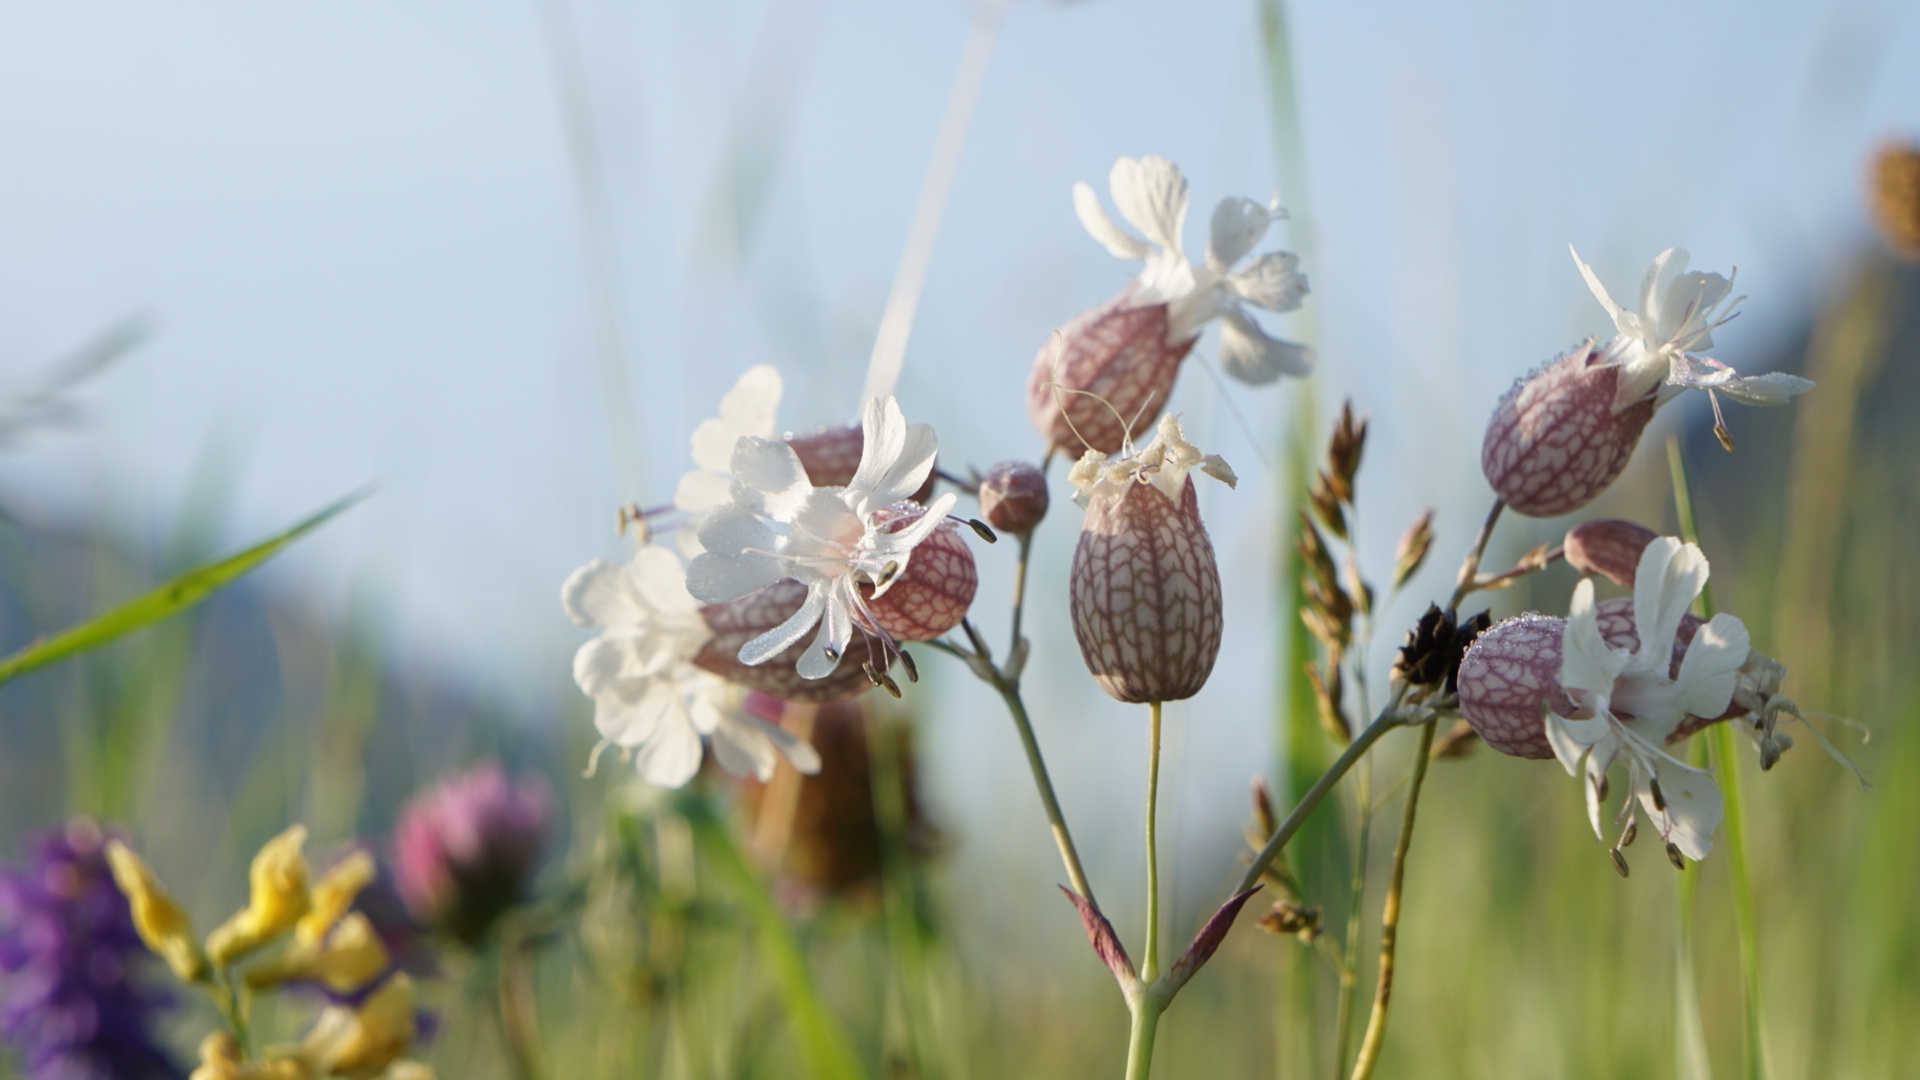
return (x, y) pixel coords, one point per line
(1627, 703)
(649, 698)
(837, 541)
(1657, 346)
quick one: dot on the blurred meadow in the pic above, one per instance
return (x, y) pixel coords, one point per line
(498, 260)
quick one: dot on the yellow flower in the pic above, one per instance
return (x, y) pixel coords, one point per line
(332, 895)
(157, 917)
(220, 1060)
(410, 1070)
(362, 1044)
(279, 899)
(347, 960)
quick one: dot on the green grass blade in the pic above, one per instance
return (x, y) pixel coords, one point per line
(824, 1046)
(169, 599)
(1727, 770)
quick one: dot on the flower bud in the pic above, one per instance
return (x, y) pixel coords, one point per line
(736, 623)
(1556, 441)
(1610, 548)
(463, 851)
(1507, 675)
(831, 455)
(1013, 497)
(933, 594)
(1108, 370)
(1895, 196)
(1146, 595)
(157, 916)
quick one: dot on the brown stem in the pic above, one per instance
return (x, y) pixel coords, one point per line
(1470, 567)
(1390, 916)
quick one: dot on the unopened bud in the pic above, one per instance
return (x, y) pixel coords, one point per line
(1013, 497)
(1556, 441)
(1108, 369)
(1609, 547)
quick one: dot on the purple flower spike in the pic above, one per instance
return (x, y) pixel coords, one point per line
(73, 999)
(464, 850)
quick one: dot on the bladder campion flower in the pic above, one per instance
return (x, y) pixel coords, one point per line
(1145, 587)
(650, 697)
(852, 547)
(1114, 366)
(1563, 434)
(1613, 692)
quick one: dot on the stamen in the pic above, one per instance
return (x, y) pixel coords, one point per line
(832, 654)
(593, 759)
(1600, 787)
(1619, 861)
(906, 661)
(985, 533)
(887, 682)
(1678, 860)
(1632, 830)
(1659, 797)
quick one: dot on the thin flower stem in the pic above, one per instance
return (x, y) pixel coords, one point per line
(1470, 568)
(1356, 906)
(1388, 719)
(1150, 964)
(1370, 1043)
(233, 1010)
(1009, 689)
(1019, 596)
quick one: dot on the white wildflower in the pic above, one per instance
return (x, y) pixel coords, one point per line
(649, 698)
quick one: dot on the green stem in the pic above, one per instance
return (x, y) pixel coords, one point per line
(1146, 1021)
(1150, 964)
(1388, 719)
(513, 998)
(1356, 904)
(1370, 1043)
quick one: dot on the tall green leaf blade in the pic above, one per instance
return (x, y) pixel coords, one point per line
(169, 599)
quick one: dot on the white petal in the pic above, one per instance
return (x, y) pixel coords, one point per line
(700, 491)
(722, 579)
(767, 466)
(1272, 281)
(1669, 576)
(743, 751)
(1572, 740)
(1694, 807)
(1596, 775)
(1238, 224)
(1093, 218)
(894, 459)
(773, 642)
(597, 595)
(1586, 663)
(1249, 355)
(1654, 285)
(630, 723)
(823, 526)
(1773, 388)
(733, 530)
(713, 445)
(1152, 196)
(660, 581)
(830, 644)
(753, 405)
(798, 751)
(1711, 668)
(1599, 291)
(672, 756)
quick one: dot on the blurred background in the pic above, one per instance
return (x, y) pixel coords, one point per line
(500, 259)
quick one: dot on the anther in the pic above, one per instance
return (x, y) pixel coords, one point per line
(1659, 797)
(1678, 860)
(906, 661)
(872, 673)
(887, 682)
(1619, 861)
(1726, 437)
(832, 654)
(985, 532)
(1600, 787)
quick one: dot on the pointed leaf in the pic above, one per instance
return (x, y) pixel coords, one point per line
(1207, 941)
(1106, 943)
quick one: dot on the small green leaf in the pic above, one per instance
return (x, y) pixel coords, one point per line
(169, 599)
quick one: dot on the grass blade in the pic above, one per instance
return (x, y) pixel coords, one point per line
(824, 1046)
(169, 599)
